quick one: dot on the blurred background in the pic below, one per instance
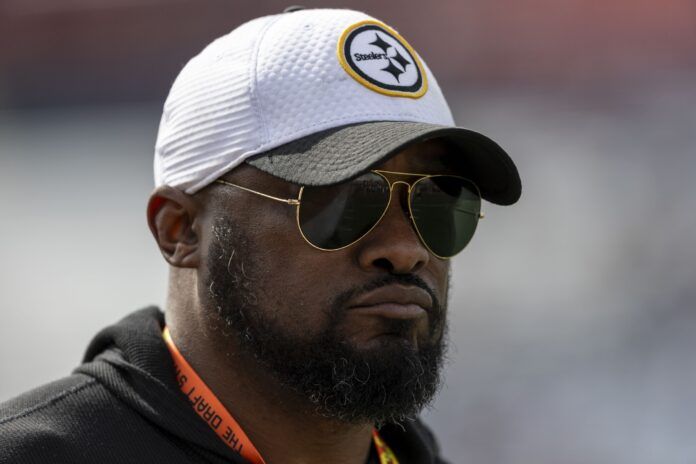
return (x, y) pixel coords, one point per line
(573, 319)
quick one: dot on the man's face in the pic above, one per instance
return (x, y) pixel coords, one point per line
(358, 332)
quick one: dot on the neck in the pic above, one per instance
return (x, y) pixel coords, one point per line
(282, 426)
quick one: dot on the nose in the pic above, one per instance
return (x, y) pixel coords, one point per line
(393, 245)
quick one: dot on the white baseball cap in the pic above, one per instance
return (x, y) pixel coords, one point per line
(315, 97)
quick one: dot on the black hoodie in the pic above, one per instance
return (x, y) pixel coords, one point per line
(122, 405)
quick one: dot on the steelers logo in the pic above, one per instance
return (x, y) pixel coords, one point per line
(380, 59)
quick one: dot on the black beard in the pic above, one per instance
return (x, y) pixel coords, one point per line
(389, 384)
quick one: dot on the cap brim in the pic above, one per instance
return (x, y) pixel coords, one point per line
(337, 154)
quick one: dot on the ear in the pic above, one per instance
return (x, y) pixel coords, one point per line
(171, 215)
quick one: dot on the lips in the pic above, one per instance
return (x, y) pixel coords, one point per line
(394, 302)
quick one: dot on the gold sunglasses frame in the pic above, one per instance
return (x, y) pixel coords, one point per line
(385, 175)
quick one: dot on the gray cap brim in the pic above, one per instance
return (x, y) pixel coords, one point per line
(337, 154)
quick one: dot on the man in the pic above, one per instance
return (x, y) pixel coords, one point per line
(310, 188)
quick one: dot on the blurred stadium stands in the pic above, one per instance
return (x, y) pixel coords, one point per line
(573, 319)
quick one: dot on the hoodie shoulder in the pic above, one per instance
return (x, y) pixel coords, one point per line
(79, 420)
(122, 404)
(36, 400)
(39, 424)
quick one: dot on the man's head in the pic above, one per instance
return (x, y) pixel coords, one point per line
(358, 333)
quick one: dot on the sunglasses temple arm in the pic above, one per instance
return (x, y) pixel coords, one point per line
(290, 201)
(480, 215)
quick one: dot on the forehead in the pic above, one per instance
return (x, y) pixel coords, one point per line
(436, 156)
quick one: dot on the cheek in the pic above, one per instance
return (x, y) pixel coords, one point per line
(296, 293)
(295, 283)
(441, 275)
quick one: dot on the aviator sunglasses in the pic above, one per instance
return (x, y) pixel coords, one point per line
(443, 209)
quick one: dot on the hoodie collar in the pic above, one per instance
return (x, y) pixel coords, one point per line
(131, 359)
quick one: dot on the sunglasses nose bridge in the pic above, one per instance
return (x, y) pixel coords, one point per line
(404, 207)
(393, 183)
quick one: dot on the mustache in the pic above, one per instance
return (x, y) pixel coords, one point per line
(338, 305)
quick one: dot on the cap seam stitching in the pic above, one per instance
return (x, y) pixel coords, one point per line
(253, 85)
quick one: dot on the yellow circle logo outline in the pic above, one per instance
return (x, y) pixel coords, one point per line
(369, 81)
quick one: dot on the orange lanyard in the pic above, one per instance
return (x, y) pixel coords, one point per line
(385, 454)
(211, 410)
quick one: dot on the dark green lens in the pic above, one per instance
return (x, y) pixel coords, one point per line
(445, 211)
(334, 216)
